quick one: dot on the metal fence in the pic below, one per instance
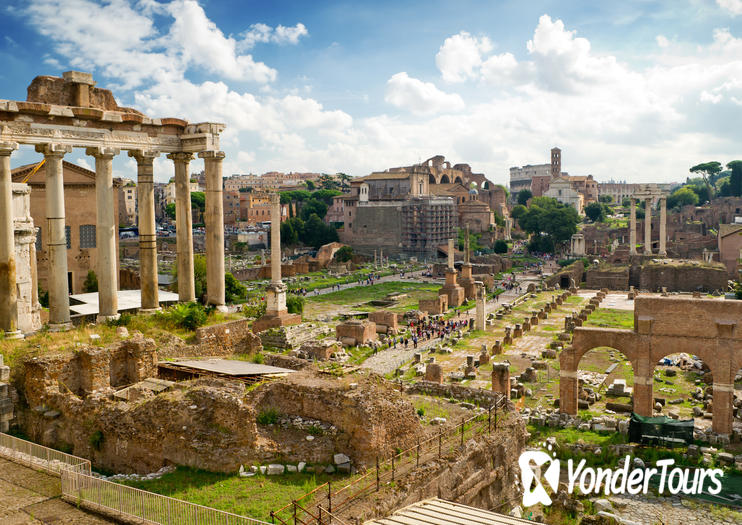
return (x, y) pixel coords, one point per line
(322, 505)
(146, 507)
(39, 457)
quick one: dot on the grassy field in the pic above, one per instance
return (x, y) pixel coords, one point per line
(363, 294)
(255, 497)
(611, 318)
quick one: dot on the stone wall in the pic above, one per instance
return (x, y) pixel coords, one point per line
(484, 398)
(614, 278)
(683, 277)
(356, 332)
(386, 321)
(574, 272)
(234, 337)
(435, 306)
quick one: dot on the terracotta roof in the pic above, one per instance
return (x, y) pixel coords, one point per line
(728, 229)
(383, 175)
(19, 173)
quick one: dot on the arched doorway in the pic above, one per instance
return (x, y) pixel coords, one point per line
(486, 185)
(445, 180)
(458, 180)
(431, 179)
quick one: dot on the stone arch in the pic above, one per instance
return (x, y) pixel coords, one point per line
(445, 179)
(586, 339)
(431, 179)
(458, 180)
(486, 185)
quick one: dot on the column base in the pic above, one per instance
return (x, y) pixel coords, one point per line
(60, 327)
(149, 311)
(662, 254)
(223, 308)
(105, 318)
(15, 334)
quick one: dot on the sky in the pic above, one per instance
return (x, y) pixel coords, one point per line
(635, 90)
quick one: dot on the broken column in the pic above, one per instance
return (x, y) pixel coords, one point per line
(632, 228)
(648, 226)
(276, 313)
(481, 313)
(467, 281)
(454, 293)
(501, 379)
(663, 227)
(434, 373)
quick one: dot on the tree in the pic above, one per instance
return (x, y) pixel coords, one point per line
(328, 182)
(170, 210)
(595, 212)
(735, 179)
(518, 211)
(523, 196)
(501, 246)
(199, 275)
(198, 200)
(313, 207)
(682, 197)
(606, 199)
(91, 282)
(344, 254)
(288, 234)
(310, 185)
(234, 290)
(626, 202)
(316, 232)
(550, 222)
(707, 171)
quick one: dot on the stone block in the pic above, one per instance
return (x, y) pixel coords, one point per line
(434, 373)
(4, 373)
(362, 331)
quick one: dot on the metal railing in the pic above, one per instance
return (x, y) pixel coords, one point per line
(331, 502)
(40, 457)
(131, 503)
(81, 488)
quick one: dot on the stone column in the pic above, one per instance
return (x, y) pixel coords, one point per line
(663, 227)
(723, 412)
(648, 227)
(106, 229)
(150, 301)
(275, 238)
(184, 226)
(501, 379)
(59, 299)
(481, 313)
(215, 228)
(632, 228)
(450, 254)
(8, 288)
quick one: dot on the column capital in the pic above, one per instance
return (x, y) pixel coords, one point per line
(102, 151)
(181, 156)
(211, 154)
(53, 150)
(144, 154)
(6, 148)
(275, 198)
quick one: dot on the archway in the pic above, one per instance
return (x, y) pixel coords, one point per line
(486, 185)
(564, 282)
(445, 180)
(458, 180)
(431, 179)
(597, 370)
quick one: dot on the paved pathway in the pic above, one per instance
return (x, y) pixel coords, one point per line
(29, 497)
(668, 510)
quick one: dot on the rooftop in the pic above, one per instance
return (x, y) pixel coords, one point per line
(437, 512)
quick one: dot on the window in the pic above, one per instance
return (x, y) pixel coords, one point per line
(38, 239)
(68, 235)
(87, 236)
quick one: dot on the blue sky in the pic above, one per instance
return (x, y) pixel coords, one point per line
(634, 90)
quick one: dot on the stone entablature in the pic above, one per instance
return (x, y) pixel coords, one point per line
(708, 328)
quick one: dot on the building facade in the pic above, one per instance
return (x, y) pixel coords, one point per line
(80, 221)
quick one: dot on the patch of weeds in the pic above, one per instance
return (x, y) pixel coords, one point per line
(268, 416)
(96, 440)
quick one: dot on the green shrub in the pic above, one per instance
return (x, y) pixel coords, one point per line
(315, 430)
(186, 315)
(91, 282)
(258, 359)
(421, 411)
(268, 416)
(295, 304)
(123, 320)
(501, 246)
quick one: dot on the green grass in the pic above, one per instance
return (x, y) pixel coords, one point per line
(254, 497)
(374, 292)
(611, 318)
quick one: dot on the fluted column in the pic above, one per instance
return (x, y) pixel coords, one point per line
(59, 299)
(663, 227)
(105, 233)
(648, 227)
(632, 228)
(275, 238)
(184, 226)
(150, 300)
(214, 228)
(8, 288)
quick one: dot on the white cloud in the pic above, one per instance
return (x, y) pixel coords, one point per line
(262, 33)
(418, 97)
(733, 6)
(662, 41)
(461, 55)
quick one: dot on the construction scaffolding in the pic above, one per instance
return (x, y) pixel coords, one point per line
(428, 222)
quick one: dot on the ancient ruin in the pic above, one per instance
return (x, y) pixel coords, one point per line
(70, 112)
